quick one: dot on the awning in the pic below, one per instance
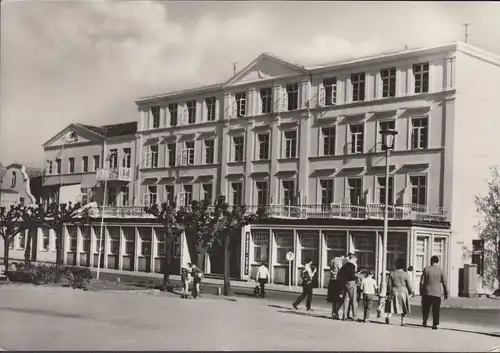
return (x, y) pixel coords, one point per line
(286, 172)
(235, 176)
(67, 179)
(152, 141)
(416, 165)
(166, 180)
(382, 167)
(149, 181)
(165, 139)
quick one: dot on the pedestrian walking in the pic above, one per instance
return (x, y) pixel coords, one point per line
(197, 276)
(368, 288)
(347, 275)
(335, 286)
(307, 286)
(431, 282)
(398, 290)
(262, 277)
(185, 279)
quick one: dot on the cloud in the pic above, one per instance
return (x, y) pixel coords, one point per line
(89, 61)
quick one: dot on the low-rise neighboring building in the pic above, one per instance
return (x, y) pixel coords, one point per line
(20, 185)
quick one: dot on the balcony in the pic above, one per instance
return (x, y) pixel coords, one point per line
(333, 211)
(114, 174)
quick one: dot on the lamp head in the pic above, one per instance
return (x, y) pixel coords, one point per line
(388, 138)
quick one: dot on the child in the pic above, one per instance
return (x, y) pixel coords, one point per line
(369, 289)
(186, 279)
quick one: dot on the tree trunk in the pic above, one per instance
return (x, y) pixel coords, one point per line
(167, 285)
(227, 264)
(59, 254)
(6, 249)
(27, 251)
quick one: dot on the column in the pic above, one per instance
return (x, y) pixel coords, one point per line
(251, 111)
(185, 257)
(277, 101)
(347, 90)
(200, 111)
(249, 149)
(224, 158)
(321, 260)
(162, 146)
(227, 106)
(137, 249)
(107, 246)
(153, 251)
(341, 84)
(400, 82)
(379, 255)
(298, 260)
(304, 94)
(272, 256)
(350, 243)
(65, 244)
(371, 84)
(92, 246)
(167, 117)
(275, 155)
(121, 250)
(410, 88)
(304, 153)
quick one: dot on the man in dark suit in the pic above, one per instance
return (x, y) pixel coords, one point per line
(430, 289)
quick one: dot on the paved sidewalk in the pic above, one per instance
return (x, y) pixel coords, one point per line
(465, 303)
(61, 319)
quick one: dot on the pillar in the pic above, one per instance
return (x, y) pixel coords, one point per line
(249, 153)
(225, 150)
(272, 256)
(137, 249)
(154, 247)
(107, 246)
(298, 260)
(65, 244)
(93, 243)
(79, 243)
(121, 250)
(322, 257)
(347, 90)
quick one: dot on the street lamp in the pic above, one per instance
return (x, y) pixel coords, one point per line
(388, 138)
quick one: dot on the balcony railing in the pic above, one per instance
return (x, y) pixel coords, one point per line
(119, 173)
(332, 211)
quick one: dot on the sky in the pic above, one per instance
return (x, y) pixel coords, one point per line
(88, 61)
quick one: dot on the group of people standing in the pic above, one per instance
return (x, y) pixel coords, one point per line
(191, 274)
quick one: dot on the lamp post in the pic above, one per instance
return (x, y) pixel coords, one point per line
(388, 138)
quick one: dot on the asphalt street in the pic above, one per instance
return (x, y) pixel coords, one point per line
(478, 317)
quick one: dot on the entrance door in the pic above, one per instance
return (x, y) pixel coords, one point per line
(421, 259)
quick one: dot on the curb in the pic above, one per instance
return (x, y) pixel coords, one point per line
(495, 349)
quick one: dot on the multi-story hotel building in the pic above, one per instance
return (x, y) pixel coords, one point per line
(305, 141)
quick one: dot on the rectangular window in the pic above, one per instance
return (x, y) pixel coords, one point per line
(152, 193)
(396, 249)
(330, 85)
(22, 239)
(241, 105)
(364, 243)
(169, 194)
(172, 110)
(189, 147)
(262, 193)
(209, 151)
(418, 189)
(419, 133)
(288, 192)
(113, 158)
(336, 245)
(71, 164)
(155, 117)
(421, 76)
(207, 192)
(381, 190)
(85, 238)
(266, 99)
(438, 249)
(263, 146)
(310, 247)
(357, 138)
(291, 144)
(112, 194)
(421, 253)
(388, 82)
(358, 87)
(292, 92)
(210, 104)
(326, 191)
(237, 193)
(152, 161)
(239, 148)
(284, 244)
(355, 190)
(129, 235)
(260, 240)
(160, 236)
(328, 140)
(85, 164)
(145, 236)
(73, 238)
(58, 166)
(126, 160)
(97, 162)
(171, 147)
(188, 195)
(114, 240)
(49, 169)
(45, 239)
(191, 108)
(125, 196)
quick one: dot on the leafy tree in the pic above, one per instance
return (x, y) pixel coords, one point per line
(172, 223)
(55, 216)
(12, 222)
(489, 228)
(234, 218)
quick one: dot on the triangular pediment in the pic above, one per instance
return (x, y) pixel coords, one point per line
(265, 67)
(73, 134)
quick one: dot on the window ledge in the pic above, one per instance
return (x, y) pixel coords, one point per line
(286, 159)
(236, 163)
(262, 161)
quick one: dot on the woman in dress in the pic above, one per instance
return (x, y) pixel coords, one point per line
(398, 291)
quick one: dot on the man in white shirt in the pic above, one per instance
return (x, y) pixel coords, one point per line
(307, 286)
(262, 277)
